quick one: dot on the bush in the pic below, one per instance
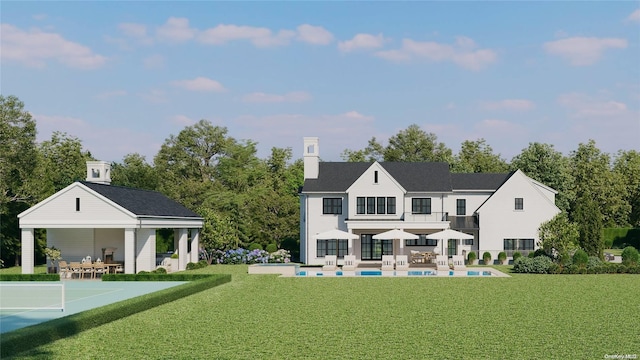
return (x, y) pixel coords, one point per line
(502, 256)
(630, 255)
(537, 265)
(565, 259)
(531, 255)
(203, 263)
(486, 257)
(199, 265)
(174, 255)
(255, 246)
(516, 256)
(160, 270)
(539, 252)
(593, 264)
(29, 277)
(580, 258)
(271, 248)
(471, 257)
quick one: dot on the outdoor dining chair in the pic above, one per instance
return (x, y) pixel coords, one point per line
(87, 268)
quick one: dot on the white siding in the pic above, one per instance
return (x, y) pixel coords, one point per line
(145, 250)
(319, 222)
(113, 238)
(499, 220)
(74, 244)
(60, 211)
(366, 186)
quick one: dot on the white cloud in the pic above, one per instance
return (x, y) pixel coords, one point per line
(463, 53)
(355, 116)
(176, 30)
(154, 96)
(316, 35)
(153, 62)
(509, 104)
(260, 97)
(136, 31)
(582, 51)
(182, 120)
(362, 41)
(51, 122)
(634, 16)
(200, 84)
(111, 94)
(39, 17)
(35, 47)
(584, 106)
(259, 36)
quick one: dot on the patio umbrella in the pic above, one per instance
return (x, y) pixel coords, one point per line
(396, 234)
(449, 234)
(336, 234)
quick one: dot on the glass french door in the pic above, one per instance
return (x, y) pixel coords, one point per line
(452, 248)
(373, 249)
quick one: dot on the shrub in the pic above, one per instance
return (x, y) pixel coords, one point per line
(593, 263)
(174, 255)
(502, 256)
(255, 246)
(471, 257)
(280, 256)
(539, 252)
(29, 277)
(160, 270)
(486, 257)
(580, 258)
(203, 263)
(565, 259)
(271, 248)
(531, 255)
(630, 255)
(516, 256)
(537, 265)
(200, 264)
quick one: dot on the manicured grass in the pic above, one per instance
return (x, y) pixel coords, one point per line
(616, 252)
(267, 317)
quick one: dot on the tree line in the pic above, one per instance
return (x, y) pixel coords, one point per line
(248, 200)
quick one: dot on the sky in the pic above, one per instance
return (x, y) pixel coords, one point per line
(124, 76)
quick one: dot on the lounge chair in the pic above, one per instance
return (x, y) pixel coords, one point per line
(458, 262)
(387, 262)
(330, 263)
(402, 262)
(349, 263)
(442, 263)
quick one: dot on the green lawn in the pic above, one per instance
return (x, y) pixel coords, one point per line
(267, 317)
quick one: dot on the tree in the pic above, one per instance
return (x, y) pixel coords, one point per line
(593, 178)
(134, 172)
(558, 236)
(63, 161)
(588, 218)
(410, 145)
(543, 163)
(218, 232)
(18, 173)
(478, 157)
(627, 165)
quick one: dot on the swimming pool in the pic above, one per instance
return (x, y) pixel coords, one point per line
(379, 273)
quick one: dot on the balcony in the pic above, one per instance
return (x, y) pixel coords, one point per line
(464, 222)
(433, 217)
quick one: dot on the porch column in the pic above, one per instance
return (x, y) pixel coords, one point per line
(183, 255)
(401, 246)
(195, 245)
(146, 250)
(129, 251)
(27, 251)
(350, 246)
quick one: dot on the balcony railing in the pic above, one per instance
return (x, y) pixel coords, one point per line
(433, 217)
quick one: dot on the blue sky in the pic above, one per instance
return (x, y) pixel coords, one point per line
(124, 76)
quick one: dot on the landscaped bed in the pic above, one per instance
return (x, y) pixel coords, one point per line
(266, 316)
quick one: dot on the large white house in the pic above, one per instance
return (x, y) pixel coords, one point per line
(502, 211)
(115, 223)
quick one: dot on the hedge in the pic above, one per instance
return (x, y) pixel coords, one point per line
(29, 277)
(37, 335)
(149, 276)
(619, 238)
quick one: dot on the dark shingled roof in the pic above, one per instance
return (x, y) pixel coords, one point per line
(142, 202)
(478, 181)
(338, 176)
(412, 176)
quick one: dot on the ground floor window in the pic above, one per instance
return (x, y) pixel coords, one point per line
(518, 244)
(332, 247)
(373, 249)
(422, 241)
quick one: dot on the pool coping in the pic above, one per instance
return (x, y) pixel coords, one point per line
(291, 270)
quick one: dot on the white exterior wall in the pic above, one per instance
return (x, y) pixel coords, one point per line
(473, 201)
(59, 211)
(109, 238)
(75, 244)
(145, 250)
(365, 186)
(319, 222)
(499, 220)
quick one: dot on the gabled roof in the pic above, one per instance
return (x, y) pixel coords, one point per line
(142, 202)
(417, 176)
(478, 181)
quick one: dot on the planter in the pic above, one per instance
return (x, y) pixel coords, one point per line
(174, 264)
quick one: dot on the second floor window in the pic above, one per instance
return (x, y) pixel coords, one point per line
(371, 205)
(332, 206)
(360, 205)
(375, 205)
(519, 204)
(461, 207)
(391, 205)
(421, 206)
